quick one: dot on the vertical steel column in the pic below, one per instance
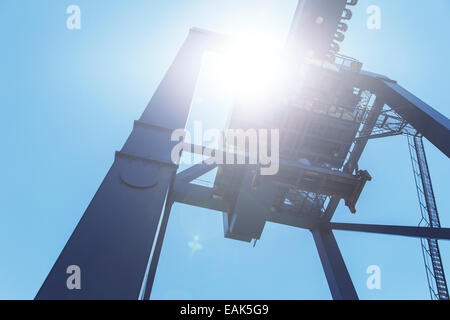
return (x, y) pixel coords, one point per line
(338, 278)
(113, 242)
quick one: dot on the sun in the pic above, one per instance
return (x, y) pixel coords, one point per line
(252, 68)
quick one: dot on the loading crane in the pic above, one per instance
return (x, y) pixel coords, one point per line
(324, 129)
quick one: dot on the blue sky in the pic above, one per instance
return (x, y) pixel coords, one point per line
(68, 100)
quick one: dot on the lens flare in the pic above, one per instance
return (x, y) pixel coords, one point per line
(251, 69)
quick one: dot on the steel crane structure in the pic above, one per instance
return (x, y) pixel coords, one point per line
(324, 127)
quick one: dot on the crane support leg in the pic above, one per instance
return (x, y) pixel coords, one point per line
(113, 243)
(338, 278)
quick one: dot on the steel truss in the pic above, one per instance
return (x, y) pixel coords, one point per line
(429, 218)
(119, 238)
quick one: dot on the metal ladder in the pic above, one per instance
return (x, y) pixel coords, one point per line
(430, 218)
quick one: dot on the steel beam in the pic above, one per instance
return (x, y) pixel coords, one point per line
(199, 196)
(416, 232)
(380, 135)
(338, 278)
(366, 131)
(429, 122)
(147, 286)
(113, 242)
(195, 171)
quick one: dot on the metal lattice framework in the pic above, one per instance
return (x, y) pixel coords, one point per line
(429, 218)
(118, 241)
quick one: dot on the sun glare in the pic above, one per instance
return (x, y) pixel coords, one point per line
(251, 69)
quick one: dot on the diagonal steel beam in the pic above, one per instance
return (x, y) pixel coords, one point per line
(195, 171)
(356, 152)
(338, 278)
(428, 121)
